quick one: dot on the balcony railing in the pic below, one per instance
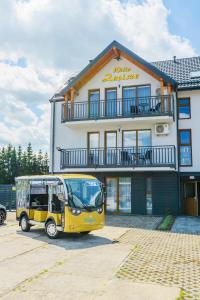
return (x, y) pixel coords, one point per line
(118, 108)
(151, 156)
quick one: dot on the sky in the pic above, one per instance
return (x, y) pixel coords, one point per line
(43, 43)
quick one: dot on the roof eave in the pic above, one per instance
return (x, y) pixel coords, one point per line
(148, 65)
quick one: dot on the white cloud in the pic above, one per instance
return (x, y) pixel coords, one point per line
(57, 38)
(145, 27)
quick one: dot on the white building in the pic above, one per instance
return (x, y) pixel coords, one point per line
(135, 126)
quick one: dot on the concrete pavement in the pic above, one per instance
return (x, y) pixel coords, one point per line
(73, 267)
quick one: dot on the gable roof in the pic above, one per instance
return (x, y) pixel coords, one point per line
(151, 67)
(180, 70)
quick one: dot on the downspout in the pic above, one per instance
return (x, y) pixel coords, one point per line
(177, 152)
(53, 139)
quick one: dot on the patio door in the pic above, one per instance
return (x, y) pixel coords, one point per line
(93, 148)
(143, 94)
(118, 194)
(191, 198)
(111, 147)
(94, 102)
(111, 102)
(129, 101)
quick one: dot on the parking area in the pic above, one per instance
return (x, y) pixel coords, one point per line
(72, 267)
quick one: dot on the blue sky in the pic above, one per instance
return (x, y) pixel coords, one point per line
(184, 19)
(43, 43)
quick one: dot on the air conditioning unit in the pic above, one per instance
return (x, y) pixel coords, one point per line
(162, 129)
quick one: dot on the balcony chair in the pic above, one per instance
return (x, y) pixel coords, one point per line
(146, 157)
(126, 158)
(157, 108)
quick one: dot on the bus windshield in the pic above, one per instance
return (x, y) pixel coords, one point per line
(84, 193)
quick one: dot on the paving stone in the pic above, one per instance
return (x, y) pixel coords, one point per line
(165, 258)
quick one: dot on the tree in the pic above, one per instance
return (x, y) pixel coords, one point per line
(18, 163)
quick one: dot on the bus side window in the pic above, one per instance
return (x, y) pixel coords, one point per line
(39, 195)
(55, 205)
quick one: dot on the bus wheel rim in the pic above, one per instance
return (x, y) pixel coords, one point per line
(51, 229)
(23, 223)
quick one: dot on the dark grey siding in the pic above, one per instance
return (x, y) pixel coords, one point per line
(138, 194)
(165, 193)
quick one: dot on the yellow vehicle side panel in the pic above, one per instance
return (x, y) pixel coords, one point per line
(86, 221)
(40, 216)
(56, 217)
(30, 212)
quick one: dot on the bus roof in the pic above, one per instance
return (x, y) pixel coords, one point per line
(63, 176)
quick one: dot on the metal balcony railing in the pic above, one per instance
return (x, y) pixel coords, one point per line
(118, 108)
(149, 156)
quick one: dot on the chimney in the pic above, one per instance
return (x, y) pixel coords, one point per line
(174, 58)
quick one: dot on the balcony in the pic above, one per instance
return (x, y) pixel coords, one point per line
(118, 108)
(131, 157)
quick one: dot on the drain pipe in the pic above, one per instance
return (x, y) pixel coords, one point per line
(177, 152)
(53, 137)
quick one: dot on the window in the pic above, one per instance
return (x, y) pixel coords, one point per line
(184, 108)
(136, 99)
(185, 147)
(94, 98)
(149, 196)
(93, 147)
(111, 101)
(118, 198)
(136, 138)
(110, 147)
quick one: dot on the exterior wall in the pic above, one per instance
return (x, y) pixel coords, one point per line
(75, 136)
(97, 83)
(194, 124)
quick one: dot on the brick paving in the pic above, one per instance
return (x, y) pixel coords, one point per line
(133, 221)
(164, 258)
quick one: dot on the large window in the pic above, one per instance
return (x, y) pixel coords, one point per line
(111, 102)
(136, 99)
(184, 108)
(132, 138)
(118, 197)
(149, 196)
(185, 147)
(94, 98)
(110, 147)
(93, 148)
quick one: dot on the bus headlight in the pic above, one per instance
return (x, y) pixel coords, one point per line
(100, 210)
(76, 211)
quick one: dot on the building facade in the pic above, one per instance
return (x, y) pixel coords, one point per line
(134, 125)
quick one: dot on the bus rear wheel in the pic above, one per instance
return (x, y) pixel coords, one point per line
(25, 226)
(51, 230)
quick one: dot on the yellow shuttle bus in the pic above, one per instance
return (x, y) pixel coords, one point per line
(60, 203)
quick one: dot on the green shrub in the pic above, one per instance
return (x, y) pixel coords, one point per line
(166, 223)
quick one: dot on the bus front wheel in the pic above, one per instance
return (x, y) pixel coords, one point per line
(25, 226)
(51, 230)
